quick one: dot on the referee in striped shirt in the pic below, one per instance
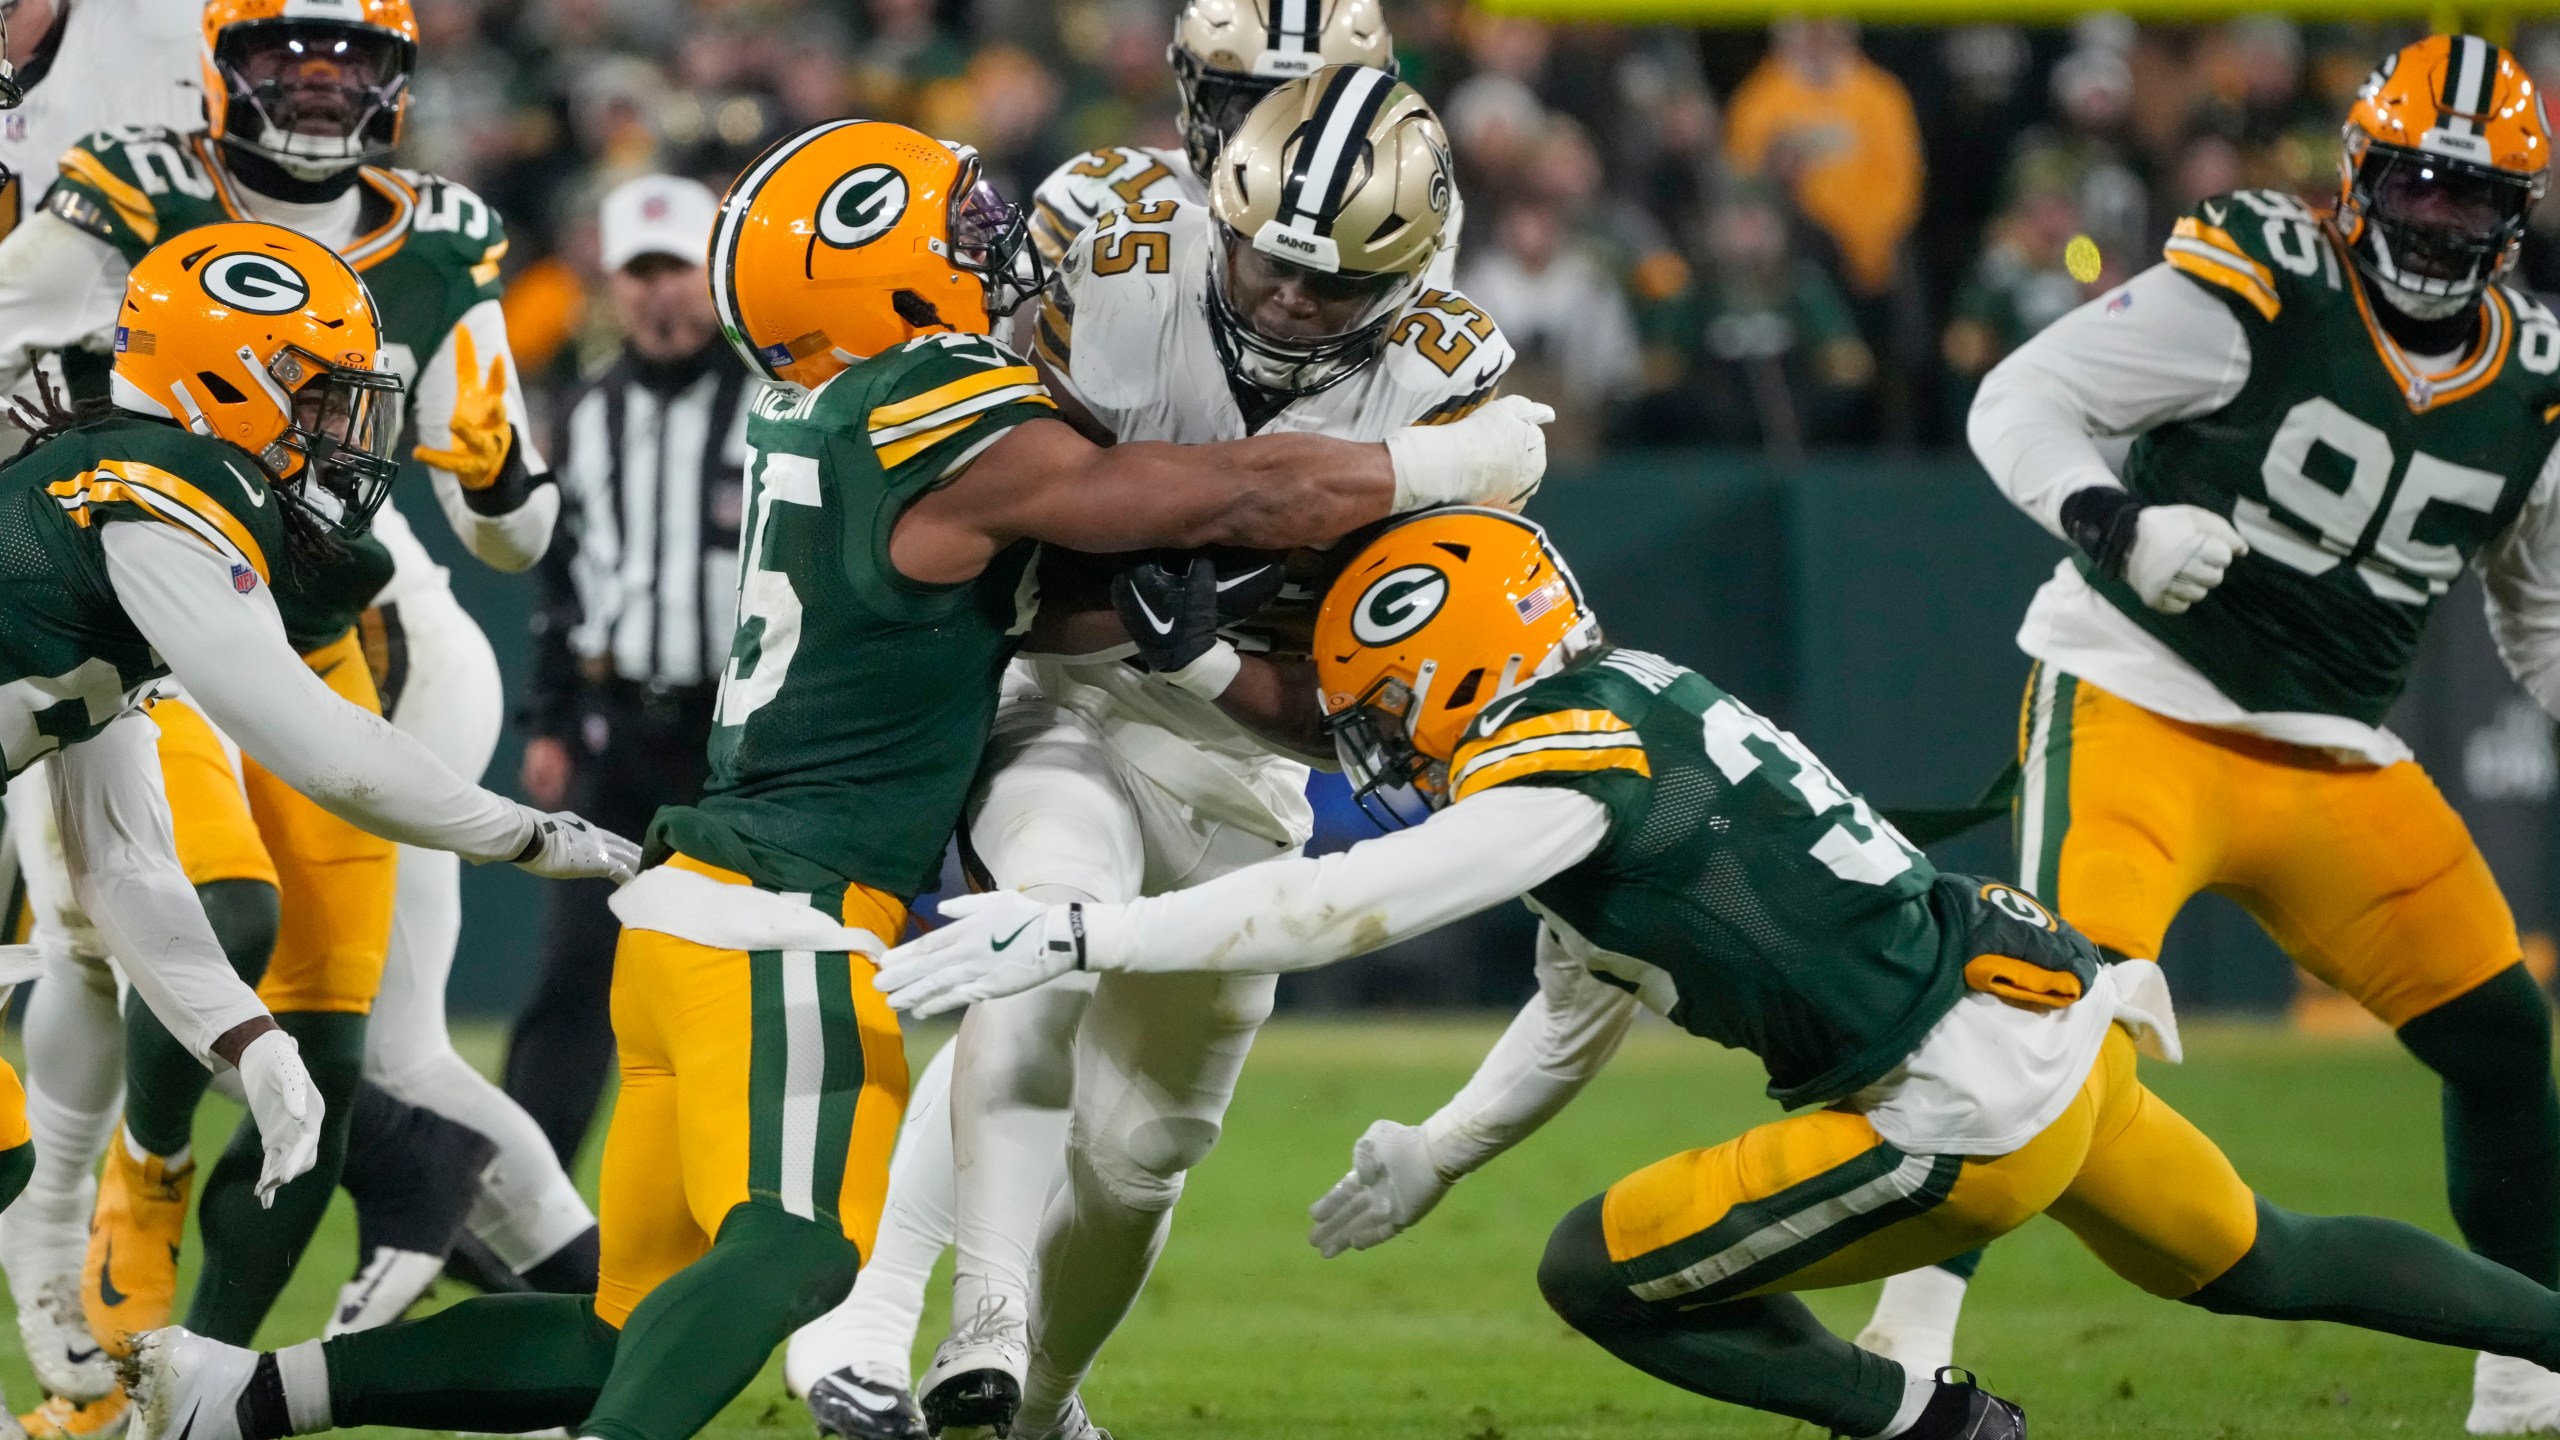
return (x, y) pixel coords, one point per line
(639, 594)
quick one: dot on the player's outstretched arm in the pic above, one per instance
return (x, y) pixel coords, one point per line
(475, 437)
(1043, 481)
(1559, 1040)
(1271, 918)
(123, 857)
(228, 649)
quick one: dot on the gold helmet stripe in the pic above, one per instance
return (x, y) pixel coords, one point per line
(1324, 164)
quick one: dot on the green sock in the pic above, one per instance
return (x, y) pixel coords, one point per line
(2386, 1276)
(16, 1164)
(1767, 1352)
(250, 1250)
(702, 1336)
(2501, 1119)
(162, 1081)
(1963, 1266)
(503, 1364)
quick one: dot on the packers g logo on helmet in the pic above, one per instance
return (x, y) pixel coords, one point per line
(259, 284)
(1399, 603)
(862, 207)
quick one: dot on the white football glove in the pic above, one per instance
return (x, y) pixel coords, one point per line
(991, 945)
(2179, 553)
(565, 847)
(1495, 456)
(1393, 1183)
(287, 1110)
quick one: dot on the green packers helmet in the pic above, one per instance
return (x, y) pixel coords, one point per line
(1339, 186)
(1228, 54)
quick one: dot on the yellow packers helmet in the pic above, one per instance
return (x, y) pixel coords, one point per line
(1339, 183)
(856, 236)
(1228, 54)
(261, 336)
(313, 86)
(2447, 151)
(1438, 616)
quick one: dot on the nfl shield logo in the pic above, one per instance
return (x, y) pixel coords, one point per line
(17, 127)
(243, 579)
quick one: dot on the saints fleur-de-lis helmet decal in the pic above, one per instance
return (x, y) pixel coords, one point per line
(854, 236)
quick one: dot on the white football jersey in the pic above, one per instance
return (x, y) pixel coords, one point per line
(121, 62)
(1122, 175)
(1126, 333)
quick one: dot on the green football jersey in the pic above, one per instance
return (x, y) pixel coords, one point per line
(69, 659)
(856, 702)
(1743, 891)
(428, 250)
(2362, 485)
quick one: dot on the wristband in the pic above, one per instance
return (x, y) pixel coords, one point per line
(2101, 520)
(1209, 675)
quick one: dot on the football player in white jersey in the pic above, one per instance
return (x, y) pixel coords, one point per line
(85, 65)
(302, 145)
(1257, 312)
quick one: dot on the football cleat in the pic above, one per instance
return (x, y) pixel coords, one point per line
(41, 1248)
(1074, 1424)
(61, 1419)
(184, 1386)
(974, 1384)
(847, 1406)
(1986, 1416)
(129, 1282)
(2512, 1397)
(390, 1282)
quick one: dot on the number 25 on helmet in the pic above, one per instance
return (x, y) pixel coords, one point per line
(1439, 616)
(263, 337)
(855, 236)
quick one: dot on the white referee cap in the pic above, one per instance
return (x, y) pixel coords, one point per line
(657, 215)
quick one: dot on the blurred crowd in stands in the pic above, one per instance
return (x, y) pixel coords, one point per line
(1781, 238)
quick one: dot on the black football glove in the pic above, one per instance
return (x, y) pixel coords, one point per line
(1248, 580)
(1170, 608)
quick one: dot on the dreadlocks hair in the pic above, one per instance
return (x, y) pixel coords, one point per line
(52, 412)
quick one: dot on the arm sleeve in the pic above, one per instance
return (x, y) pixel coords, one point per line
(514, 538)
(2156, 350)
(2520, 583)
(59, 289)
(123, 856)
(1557, 1042)
(1298, 914)
(230, 652)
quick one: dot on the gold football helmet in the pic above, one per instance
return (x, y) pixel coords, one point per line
(1338, 185)
(1228, 54)
(313, 86)
(1438, 616)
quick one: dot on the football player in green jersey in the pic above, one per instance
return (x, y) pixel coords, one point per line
(251, 429)
(906, 469)
(1972, 1056)
(2331, 415)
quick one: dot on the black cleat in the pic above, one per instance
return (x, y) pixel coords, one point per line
(1985, 1416)
(973, 1405)
(848, 1407)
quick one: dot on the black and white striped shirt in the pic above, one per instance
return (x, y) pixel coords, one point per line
(641, 583)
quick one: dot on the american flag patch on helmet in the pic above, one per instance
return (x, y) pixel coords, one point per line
(1541, 600)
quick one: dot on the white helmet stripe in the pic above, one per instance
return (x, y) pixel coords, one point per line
(1324, 163)
(2468, 74)
(733, 216)
(1293, 26)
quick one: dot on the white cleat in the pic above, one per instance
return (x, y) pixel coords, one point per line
(2513, 1397)
(186, 1385)
(1074, 1424)
(42, 1250)
(390, 1282)
(974, 1384)
(1915, 1320)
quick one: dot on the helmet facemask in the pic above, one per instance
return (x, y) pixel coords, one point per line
(1350, 312)
(1214, 103)
(2431, 231)
(1392, 781)
(991, 239)
(314, 122)
(340, 438)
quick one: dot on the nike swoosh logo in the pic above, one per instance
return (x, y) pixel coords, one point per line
(1226, 585)
(257, 494)
(1016, 935)
(2215, 213)
(81, 1357)
(876, 1401)
(107, 1290)
(1493, 719)
(1161, 626)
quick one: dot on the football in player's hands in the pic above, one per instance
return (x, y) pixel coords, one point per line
(2180, 552)
(1393, 1183)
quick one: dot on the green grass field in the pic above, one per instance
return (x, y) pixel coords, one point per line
(1247, 1335)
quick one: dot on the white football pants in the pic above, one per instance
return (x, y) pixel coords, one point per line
(454, 703)
(1130, 1073)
